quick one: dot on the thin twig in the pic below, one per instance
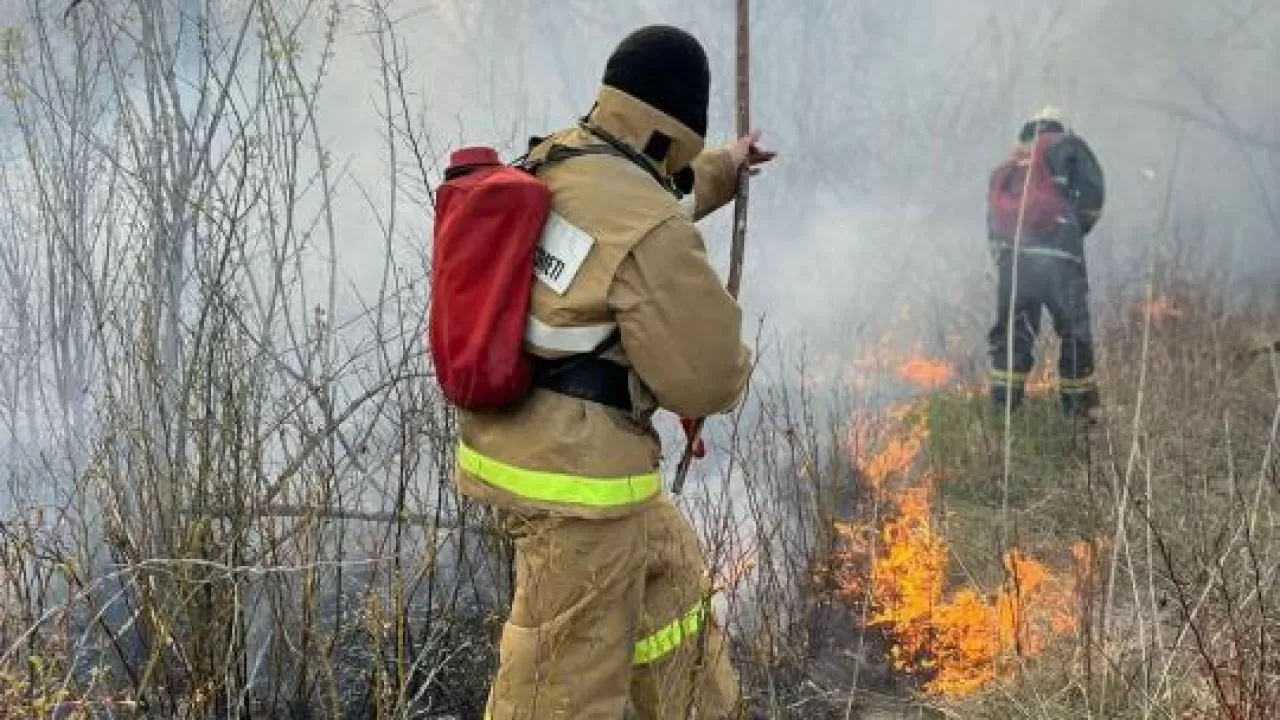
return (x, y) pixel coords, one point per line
(321, 512)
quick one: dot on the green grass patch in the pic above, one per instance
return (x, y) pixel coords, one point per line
(1047, 501)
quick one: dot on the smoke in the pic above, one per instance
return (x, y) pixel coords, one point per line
(888, 115)
(889, 118)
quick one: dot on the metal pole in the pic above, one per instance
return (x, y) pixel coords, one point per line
(738, 246)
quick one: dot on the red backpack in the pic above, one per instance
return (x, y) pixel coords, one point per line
(488, 218)
(488, 221)
(1045, 206)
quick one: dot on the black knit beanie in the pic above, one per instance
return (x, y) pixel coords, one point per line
(666, 68)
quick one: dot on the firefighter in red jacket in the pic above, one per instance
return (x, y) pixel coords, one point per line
(1044, 200)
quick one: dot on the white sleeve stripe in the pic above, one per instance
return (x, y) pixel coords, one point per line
(689, 203)
(579, 339)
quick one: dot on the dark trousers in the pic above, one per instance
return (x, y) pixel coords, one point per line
(1059, 284)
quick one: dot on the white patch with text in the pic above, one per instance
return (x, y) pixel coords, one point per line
(560, 253)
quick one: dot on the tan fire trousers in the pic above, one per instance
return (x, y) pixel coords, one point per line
(607, 611)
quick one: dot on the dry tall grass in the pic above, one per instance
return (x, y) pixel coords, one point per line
(230, 489)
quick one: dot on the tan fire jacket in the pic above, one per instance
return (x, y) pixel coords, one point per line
(625, 255)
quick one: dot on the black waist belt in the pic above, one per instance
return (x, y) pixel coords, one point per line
(587, 378)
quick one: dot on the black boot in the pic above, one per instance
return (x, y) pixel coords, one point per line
(1001, 394)
(1081, 406)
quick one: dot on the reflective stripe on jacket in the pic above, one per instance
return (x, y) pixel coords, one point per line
(618, 252)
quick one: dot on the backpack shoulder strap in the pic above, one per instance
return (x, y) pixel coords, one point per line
(559, 153)
(609, 146)
(621, 148)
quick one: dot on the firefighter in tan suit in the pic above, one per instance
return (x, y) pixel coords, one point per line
(612, 596)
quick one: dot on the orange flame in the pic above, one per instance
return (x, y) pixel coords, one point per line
(899, 438)
(964, 640)
(1162, 309)
(926, 374)
(895, 459)
(733, 573)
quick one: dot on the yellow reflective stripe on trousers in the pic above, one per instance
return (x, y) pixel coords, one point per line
(1082, 385)
(665, 641)
(1049, 252)
(1003, 247)
(558, 487)
(1007, 377)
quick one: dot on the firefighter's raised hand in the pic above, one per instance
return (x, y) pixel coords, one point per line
(747, 150)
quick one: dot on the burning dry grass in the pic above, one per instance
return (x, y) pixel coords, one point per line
(1180, 619)
(926, 374)
(958, 640)
(1125, 572)
(1162, 309)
